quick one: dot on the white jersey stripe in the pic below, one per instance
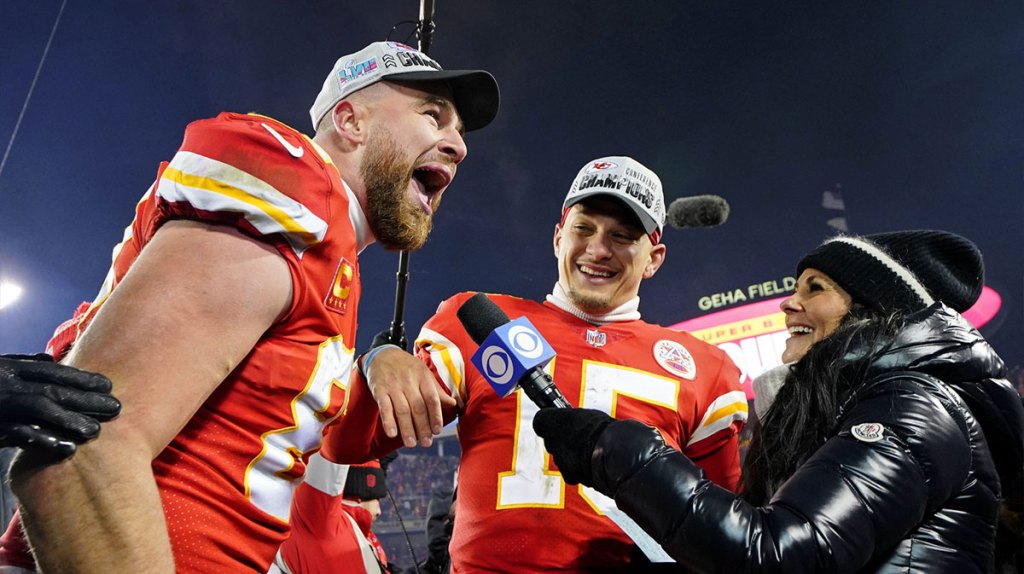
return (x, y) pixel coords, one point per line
(721, 413)
(447, 357)
(326, 476)
(211, 185)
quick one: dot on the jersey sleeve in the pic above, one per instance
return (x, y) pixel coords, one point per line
(358, 435)
(722, 408)
(322, 538)
(244, 171)
(445, 347)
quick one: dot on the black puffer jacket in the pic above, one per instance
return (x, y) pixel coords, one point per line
(905, 484)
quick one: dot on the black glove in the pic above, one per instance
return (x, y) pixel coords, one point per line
(570, 435)
(51, 408)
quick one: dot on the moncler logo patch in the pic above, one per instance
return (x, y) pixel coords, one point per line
(868, 432)
(674, 358)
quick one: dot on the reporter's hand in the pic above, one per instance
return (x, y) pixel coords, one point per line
(570, 435)
(51, 408)
(594, 449)
(409, 399)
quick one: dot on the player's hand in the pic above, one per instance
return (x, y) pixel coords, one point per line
(50, 408)
(409, 399)
(570, 435)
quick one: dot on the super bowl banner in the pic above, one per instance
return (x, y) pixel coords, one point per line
(754, 334)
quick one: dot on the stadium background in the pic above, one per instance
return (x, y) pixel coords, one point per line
(808, 117)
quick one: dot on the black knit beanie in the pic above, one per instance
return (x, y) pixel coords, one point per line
(366, 482)
(902, 270)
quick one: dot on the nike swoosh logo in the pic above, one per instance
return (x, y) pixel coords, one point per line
(295, 150)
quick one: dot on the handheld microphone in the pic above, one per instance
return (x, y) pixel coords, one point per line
(511, 353)
(697, 211)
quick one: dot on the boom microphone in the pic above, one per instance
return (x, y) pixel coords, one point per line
(511, 353)
(697, 211)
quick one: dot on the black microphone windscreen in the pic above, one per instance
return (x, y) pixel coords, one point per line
(698, 211)
(480, 317)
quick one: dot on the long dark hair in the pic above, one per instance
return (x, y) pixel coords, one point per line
(803, 414)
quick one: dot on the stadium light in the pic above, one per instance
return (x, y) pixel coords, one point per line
(10, 292)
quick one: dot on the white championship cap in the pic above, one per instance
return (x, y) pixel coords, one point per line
(475, 92)
(627, 180)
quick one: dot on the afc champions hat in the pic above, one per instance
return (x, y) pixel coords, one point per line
(475, 92)
(627, 180)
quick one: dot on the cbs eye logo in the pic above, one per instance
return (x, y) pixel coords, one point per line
(497, 363)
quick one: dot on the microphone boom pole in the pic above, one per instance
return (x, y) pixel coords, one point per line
(426, 25)
(425, 35)
(396, 334)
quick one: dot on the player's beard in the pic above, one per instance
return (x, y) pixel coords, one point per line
(590, 304)
(396, 222)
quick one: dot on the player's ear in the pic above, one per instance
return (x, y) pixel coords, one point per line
(350, 121)
(657, 258)
(558, 238)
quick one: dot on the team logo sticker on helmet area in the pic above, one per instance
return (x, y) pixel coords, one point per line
(601, 166)
(674, 358)
(868, 432)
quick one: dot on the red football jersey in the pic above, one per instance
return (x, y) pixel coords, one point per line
(226, 479)
(325, 537)
(514, 512)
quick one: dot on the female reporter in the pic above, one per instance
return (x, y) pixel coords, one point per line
(883, 451)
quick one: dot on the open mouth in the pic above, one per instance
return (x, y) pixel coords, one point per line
(431, 181)
(797, 330)
(594, 272)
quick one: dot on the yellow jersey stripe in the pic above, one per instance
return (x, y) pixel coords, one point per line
(215, 186)
(447, 357)
(720, 414)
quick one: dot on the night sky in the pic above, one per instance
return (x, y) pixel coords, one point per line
(911, 112)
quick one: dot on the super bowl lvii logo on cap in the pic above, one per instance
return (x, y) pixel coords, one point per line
(352, 71)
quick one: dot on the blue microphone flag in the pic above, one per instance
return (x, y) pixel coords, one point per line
(509, 352)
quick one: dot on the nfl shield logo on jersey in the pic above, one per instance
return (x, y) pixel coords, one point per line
(596, 338)
(674, 358)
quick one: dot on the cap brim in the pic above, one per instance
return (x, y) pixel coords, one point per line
(475, 93)
(648, 223)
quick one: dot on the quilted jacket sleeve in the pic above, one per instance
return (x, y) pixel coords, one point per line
(899, 453)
